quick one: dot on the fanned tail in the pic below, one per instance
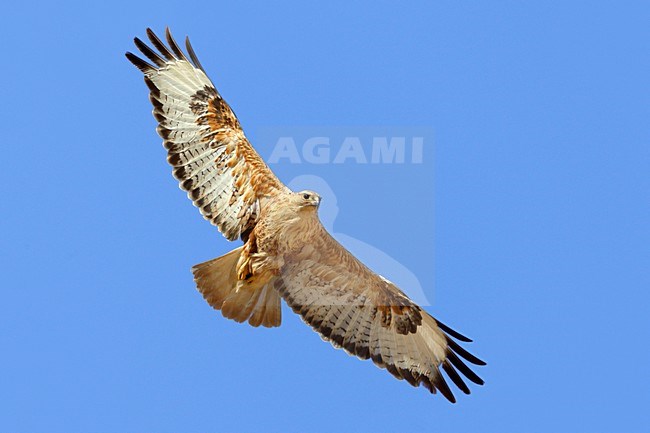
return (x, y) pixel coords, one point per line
(239, 300)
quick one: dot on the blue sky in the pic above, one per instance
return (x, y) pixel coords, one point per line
(531, 222)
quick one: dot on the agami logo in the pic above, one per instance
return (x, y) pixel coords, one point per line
(350, 150)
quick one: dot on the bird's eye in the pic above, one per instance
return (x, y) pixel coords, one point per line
(305, 196)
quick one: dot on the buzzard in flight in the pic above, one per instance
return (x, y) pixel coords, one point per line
(287, 253)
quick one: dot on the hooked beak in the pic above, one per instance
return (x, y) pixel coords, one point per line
(315, 201)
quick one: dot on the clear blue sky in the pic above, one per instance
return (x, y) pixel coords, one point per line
(540, 249)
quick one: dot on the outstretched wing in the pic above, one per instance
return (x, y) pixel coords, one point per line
(210, 155)
(368, 316)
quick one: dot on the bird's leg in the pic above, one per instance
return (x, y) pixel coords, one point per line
(257, 265)
(244, 264)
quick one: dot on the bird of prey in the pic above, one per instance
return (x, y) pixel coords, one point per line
(286, 251)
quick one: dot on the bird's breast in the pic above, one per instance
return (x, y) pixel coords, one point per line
(287, 234)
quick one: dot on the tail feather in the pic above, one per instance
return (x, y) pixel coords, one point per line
(268, 311)
(217, 281)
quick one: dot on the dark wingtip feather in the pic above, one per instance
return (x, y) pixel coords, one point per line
(151, 54)
(457, 335)
(455, 377)
(174, 46)
(460, 365)
(152, 87)
(139, 63)
(440, 383)
(192, 54)
(155, 40)
(464, 353)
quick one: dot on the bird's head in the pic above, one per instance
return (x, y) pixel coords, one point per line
(307, 199)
